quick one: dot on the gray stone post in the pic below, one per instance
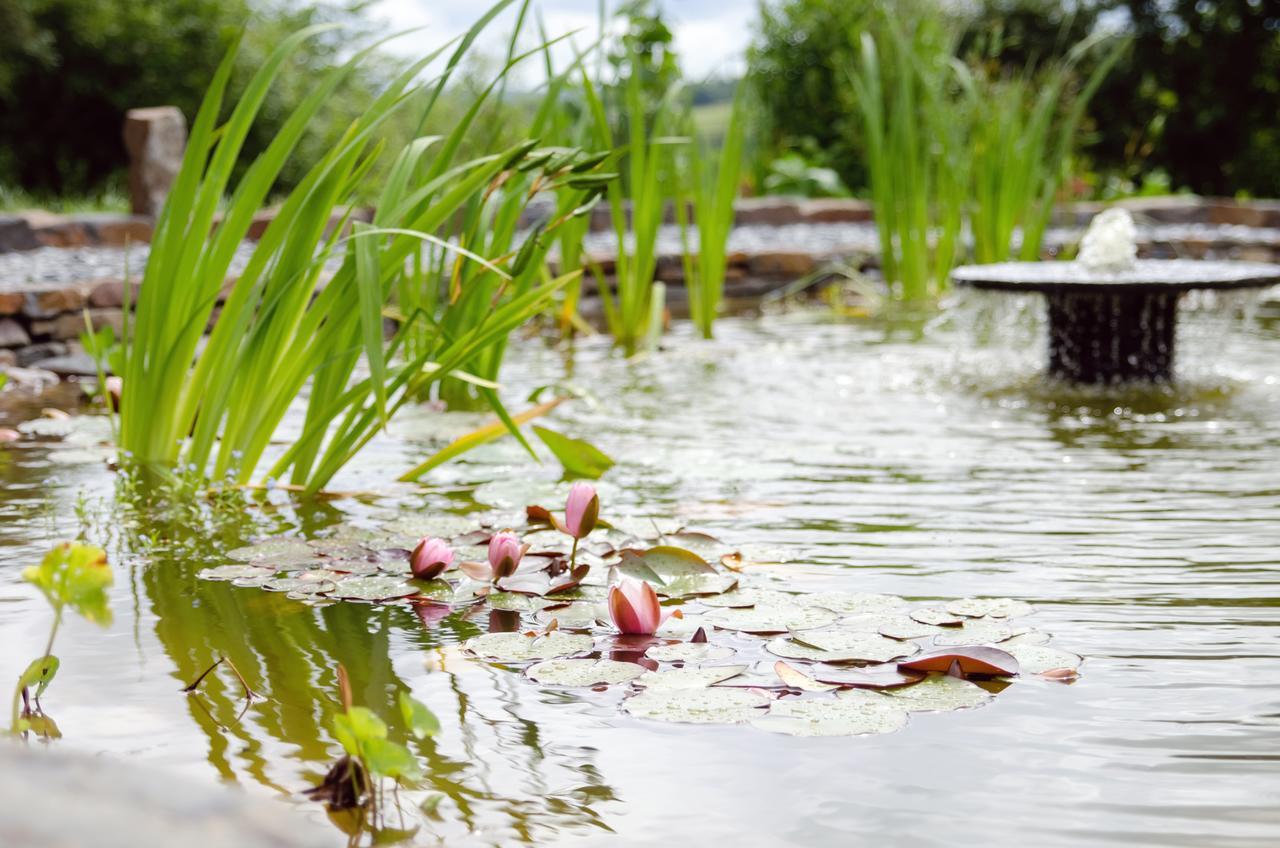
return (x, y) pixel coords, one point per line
(155, 138)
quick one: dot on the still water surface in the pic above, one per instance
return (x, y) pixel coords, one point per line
(877, 457)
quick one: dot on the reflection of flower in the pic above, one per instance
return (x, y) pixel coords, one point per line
(430, 558)
(1110, 243)
(634, 608)
(581, 510)
(505, 553)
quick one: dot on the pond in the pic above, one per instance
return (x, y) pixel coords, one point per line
(887, 456)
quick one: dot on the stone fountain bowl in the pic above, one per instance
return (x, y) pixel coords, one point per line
(1114, 325)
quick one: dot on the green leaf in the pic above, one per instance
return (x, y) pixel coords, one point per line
(39, 674)
(389, 759)
(579, 458)
(420, 720)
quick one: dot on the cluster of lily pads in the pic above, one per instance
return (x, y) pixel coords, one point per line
(673, 620)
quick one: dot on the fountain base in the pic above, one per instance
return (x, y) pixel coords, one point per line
(1097, 337)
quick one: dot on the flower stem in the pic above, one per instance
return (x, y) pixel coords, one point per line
(573, 554)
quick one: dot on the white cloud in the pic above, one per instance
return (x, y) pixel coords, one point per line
(711, 35)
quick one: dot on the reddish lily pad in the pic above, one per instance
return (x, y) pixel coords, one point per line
(979, 659)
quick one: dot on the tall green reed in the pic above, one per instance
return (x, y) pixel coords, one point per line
(709, 191)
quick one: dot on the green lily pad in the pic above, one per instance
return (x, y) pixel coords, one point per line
(855, 603)
(373, 589)
(513, 602)
(697, 584)
(300, 585)
(936, 617)
(1037, 659)
(990, 607)
(745, 597)
(417, 526)
(667, 562)
(842, 646)
(361, 567)
(276, 552)
(689, 652)
(977, 631)
(517, 647)
(832, 717)
(697, 706)
(256, 582)
(893, 625)
(235, 572)
(689, 678)
(1030, 637)
(939, 693)
(770, 619)
(586, 673)
(577, 616)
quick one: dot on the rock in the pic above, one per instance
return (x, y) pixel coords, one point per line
(111, 293)
(8, 357)
(57, 231)
(34, 379)
(12, 334)
(56, 799)
(156, 138)
(69, 325)
(116, 230)
(767, 211)
(51, 302)
(15, 234)
(835, 211)
(782, 264)
(32, 354)
(69, 365)
(11, 302)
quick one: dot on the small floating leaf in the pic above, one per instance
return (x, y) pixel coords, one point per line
(697, 706)
(830, 717)
(420, 720)
(584, 673)
(690, 652)
(689, 678)
(299, 585)
(797, 679)
(770, 619)
(990, 607)
(692, 585)
(275, 551)
(842, 646)
(743, 597)
(518, 647)
(1037, 659)
(578, 458)
(856, 602)
(234, 572)
(972, 660)
(938, 617)
(940, 693)
(373, 589)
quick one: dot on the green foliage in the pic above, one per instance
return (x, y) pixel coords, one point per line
(577, 457)
(709, 183)
(792, 174)
(75, 576)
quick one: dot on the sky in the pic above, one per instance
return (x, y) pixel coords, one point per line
(711, 35)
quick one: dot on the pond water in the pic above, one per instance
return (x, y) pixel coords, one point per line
(872, 456)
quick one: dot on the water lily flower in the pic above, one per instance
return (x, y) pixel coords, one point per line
(581, 510)
(8, 435)
(634, 608)
(431, 557)
(505, 552)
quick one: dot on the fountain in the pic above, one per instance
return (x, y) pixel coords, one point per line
(1112, 316)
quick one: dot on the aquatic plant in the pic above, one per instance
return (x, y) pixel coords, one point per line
(709, 185)
(430, 558)
(634, 607)
(71, 576)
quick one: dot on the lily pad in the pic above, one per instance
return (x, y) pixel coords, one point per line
(517, 647)
(668, 563)
(512, 601)
(689, 652)
(1037, 659)
(980, 659)
(770, 619)
(940, 693)
(842, 646)
(417, 526)
(990, 607)
(578, 672)
(697, 706)
(689, 678)
(373, 589)
(977, 631)
(872, 677)
(832, 717)
(235, 572)
(577, 616)
(893, 625)
(300, 585)
(797, 679)
(277, 552)
(853, 603)
(744, 597)
(937, 617)
(697, 584)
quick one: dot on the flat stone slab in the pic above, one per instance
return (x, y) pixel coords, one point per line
(1165, 275)
(55, 799)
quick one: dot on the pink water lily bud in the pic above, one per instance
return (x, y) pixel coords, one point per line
(431, 557)
(505, 552)
(634, 608)
(582, 510)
